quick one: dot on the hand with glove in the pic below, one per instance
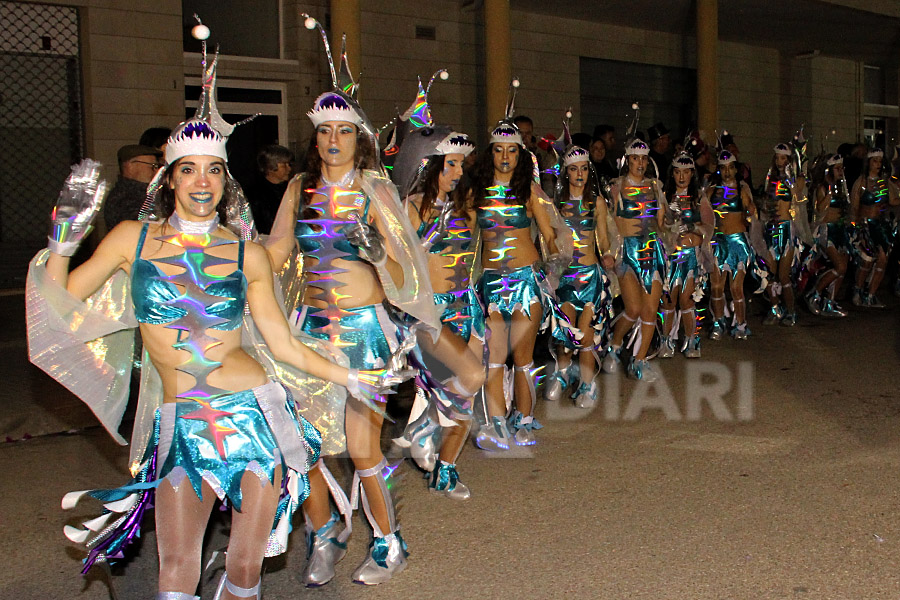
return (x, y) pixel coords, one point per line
(76, 208)
(368, 239)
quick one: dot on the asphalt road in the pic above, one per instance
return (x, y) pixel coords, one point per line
(784, 485)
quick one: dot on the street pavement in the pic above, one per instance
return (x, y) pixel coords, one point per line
(783, 485)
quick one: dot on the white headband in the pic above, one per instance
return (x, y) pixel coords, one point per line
(506, 133)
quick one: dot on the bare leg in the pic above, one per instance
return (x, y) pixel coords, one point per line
(649, 303)
(586, 361)
(364, 446)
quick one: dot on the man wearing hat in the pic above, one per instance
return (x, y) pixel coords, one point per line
(659, 148)
(137, 166)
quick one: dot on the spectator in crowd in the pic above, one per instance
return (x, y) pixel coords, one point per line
(264, 195)
(156, 137)
(529, 140)
(137, 166)
(605, 170)
(660, 144)
(607, 135)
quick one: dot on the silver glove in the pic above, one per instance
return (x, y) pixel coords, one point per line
(437, 229)
(368, 239)
(76, 208)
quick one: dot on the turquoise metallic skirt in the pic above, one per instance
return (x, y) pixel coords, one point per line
(645, 258)
(582, 286)
(836, 236)
(683, 266)
(507, 292)
(463, 313)
(365, 334)
(732, 251)
(218, 442)
(778, 239)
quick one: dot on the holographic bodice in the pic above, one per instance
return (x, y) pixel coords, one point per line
(193, 314)
(458, 238)
(322, 237)
(726, 199)
(690, 212)
(840, 199)
(579, 216)
(500, 216)
(638, 202)
(498, 212)
(158, 302)
(778, 190)
(873, 195)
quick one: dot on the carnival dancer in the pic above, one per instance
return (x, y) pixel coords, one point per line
(359, 253)
(427, 171)
(784, 189)
(584, 288)
(872, 196)
(733, 206)
(221, 426)
(832, 199)
(640, 206)
(507, 203)
(691, 217)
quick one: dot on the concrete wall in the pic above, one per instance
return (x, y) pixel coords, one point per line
(134, 71)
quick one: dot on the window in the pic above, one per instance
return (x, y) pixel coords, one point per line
(240, 28)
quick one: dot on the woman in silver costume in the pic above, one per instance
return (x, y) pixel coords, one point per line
(584, 286)
(871, 198)
(733, 206)
(692, 219)
(507, 202)
(222, 427)
(428, 170)
(640, 206)
(360, 256)
(785, 187)
(832, 200)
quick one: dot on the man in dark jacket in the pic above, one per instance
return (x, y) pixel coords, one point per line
(137, 167)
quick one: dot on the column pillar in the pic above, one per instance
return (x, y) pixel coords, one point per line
(707, 67)
(345, 21)
(497, 59)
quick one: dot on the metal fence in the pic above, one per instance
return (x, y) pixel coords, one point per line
(41, 124)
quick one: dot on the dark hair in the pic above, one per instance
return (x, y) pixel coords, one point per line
(715, 177)
(523, 119)
(363, 157)
(155, 137)
(482, 176)
(671, 187)
(601, 130)
(430, 187)
(885, 166)
(165, 198)
(589, 198)
(269, 158)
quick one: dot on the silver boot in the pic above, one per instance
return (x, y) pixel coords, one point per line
(666, 347)
(692, 347)
(323, 550)
(493, 435)
(175, 596)
(717, 331)
(775, 315)
(587, 395)
(612, 361)
(419, 439)
(387, 557)
(642, 371)
(833, 309)
(790, 319)
(814, 302)
(556, 386)
(445, 482)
